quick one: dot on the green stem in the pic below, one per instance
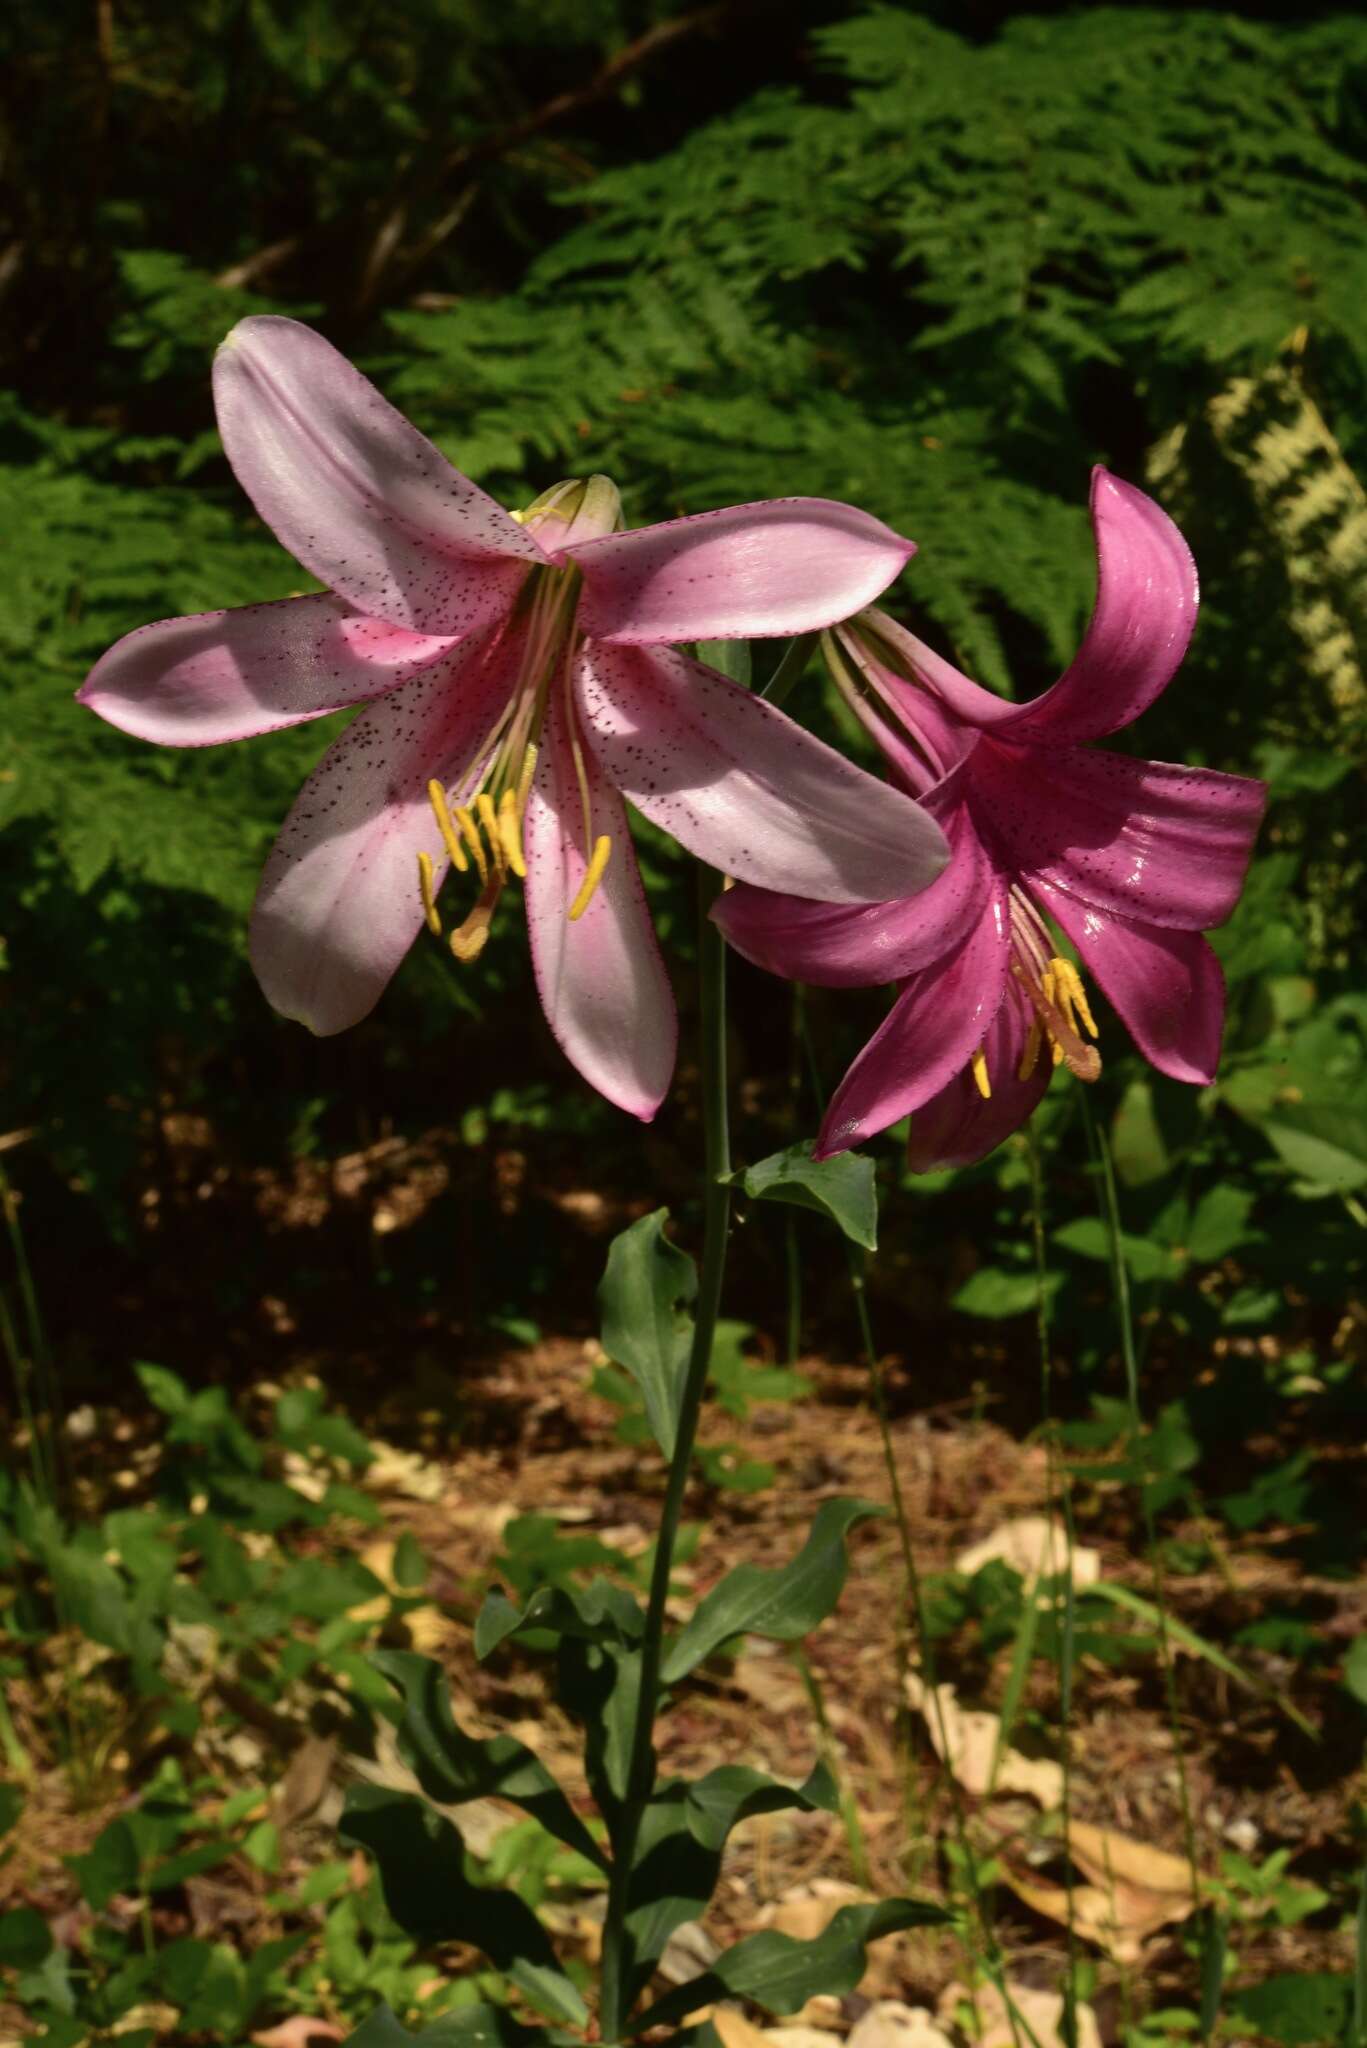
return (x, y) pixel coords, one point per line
(1120, 1281)
(617, 1987)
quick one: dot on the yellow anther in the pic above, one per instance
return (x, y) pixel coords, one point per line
(429, 899)
(510, 833)
(470, 833)
(979, 1066)
(1030, 1057)
(488, 818)
(436, 796)
(1072, 993)
(593, 875)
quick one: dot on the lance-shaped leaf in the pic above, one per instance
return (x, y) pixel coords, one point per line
(647, 1328)
(422, 1871)
(600, 1612)
(841, 1188)
(679, 1848)
(475, 2026)
(784, 1603)
(600, 1684)
(781, 1973)
(452, 1766)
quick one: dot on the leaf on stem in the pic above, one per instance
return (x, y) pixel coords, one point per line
(422, 1870)
(781, 1974)
(785, 1603)
(679, 1849)
(600, 1612)
(452, 1766)
(841, 1188)
(645, 1298)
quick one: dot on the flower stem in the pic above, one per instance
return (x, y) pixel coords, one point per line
(618, 1959)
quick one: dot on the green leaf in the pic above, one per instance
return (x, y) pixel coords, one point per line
(600, 1612)
(679, 1848)
(996, 1293)
(11, 1806)
(644, 1298)
(1355, 1670)
(784, 1603)
(109, 1865)
(410, 1566)
(731, 657)
(1088, 1236)
(599, 1683)
(1301, 2010)
(781, 1974)
(842, 1188)
(25, 1939)
(422, 1871)
(452, 1766)
(734, 1792)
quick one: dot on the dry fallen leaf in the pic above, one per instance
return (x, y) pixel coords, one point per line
(967, 1739)
(1031, 1545)
(1135, 1891)
(299, 2033)
(1041, 2011)
(801, 2037)
(735, 2031)
(890, 2024)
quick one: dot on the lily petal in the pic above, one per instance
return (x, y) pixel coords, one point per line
(1146, 600)
(744, 788)
(339, 905)
(600, 977)
(790, 565)
(1148, 839)
(959, 1126)
(849, 945)
(930, 1034)
(226, 675)
(355, 492)
(1166, 986)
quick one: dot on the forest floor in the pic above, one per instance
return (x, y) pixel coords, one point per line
(534, 1440)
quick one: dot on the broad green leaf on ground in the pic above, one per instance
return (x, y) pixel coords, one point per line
(841, 1189)
(25, 1939)
(996, 1293)
(422, 1871)
(452, 1766)
(784, 1603)
(1303, 2009)
(644, 1297)
(781, 1974)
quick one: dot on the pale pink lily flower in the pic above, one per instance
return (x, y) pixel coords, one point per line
(520, 686)
(1132, 860)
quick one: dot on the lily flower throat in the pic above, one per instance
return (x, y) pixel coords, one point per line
(923, 752)
(480, 819)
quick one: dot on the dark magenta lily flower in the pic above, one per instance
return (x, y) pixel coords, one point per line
(1131, 860)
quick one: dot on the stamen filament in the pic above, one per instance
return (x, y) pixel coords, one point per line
(436, 796)
(593, 875)
(429, 900)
